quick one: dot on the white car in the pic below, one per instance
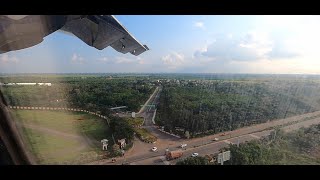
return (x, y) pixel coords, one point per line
(195, 154)
(216, 139)
(183, 145)
(154, 149)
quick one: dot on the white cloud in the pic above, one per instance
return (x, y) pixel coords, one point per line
(140, 60)
(77, 59)
(5, 59)
(123, 60)
(290, 66)
(173, 60)
(106, 60)
(199, 24)
(252, 46)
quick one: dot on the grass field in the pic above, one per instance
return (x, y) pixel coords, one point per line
(57, 137)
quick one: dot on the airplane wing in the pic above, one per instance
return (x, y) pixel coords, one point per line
(99, 31)
(24, 31)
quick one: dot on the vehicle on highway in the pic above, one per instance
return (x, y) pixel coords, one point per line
(170, 155)
(154, 149)
(215, 139)
(183, 145)
(194, 154)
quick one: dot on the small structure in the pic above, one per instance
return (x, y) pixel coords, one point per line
(104, 144)
(133, 114)
(224, 156)
(119, 107)
(122, 143)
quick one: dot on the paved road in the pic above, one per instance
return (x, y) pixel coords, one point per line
(163, 139)
(214, 147)
(150, 100)
(205, 145)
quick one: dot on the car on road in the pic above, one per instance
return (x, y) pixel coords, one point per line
(194, 154)
(183, 145)
(215, 139)
(154, 149)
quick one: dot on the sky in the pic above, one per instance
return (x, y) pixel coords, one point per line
(185, 44)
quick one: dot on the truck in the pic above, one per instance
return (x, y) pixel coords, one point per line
(170, 155)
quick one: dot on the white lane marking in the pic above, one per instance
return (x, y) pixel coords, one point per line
(254, 136)
(164, 160)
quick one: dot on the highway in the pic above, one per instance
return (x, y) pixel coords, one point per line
(206, 148)
(207, 145)
(141, 153)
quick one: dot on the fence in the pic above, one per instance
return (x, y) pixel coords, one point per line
(57, 109)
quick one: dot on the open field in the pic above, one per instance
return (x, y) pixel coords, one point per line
(62, 137)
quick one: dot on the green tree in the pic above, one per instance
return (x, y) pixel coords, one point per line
(121, 128)
(193, 161)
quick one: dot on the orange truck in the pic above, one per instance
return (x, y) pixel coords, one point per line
(170, 155)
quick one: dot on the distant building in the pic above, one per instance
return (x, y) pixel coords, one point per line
(29, 84)
(26, 84)
(44, 84)
(122, 143)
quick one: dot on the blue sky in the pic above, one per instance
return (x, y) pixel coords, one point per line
(185, 44)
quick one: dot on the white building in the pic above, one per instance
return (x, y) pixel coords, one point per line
(27, 84)
(44, 84)
(30, 84)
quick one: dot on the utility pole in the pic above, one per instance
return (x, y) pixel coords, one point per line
(238, 142)
(113, 139)
(222, 157)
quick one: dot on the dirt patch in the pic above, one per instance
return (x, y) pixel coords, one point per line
(51, 131)
(315, 152)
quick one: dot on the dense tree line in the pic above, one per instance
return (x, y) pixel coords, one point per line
(214, 106)
(91, 93)
(299, 147)
(193, 161)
